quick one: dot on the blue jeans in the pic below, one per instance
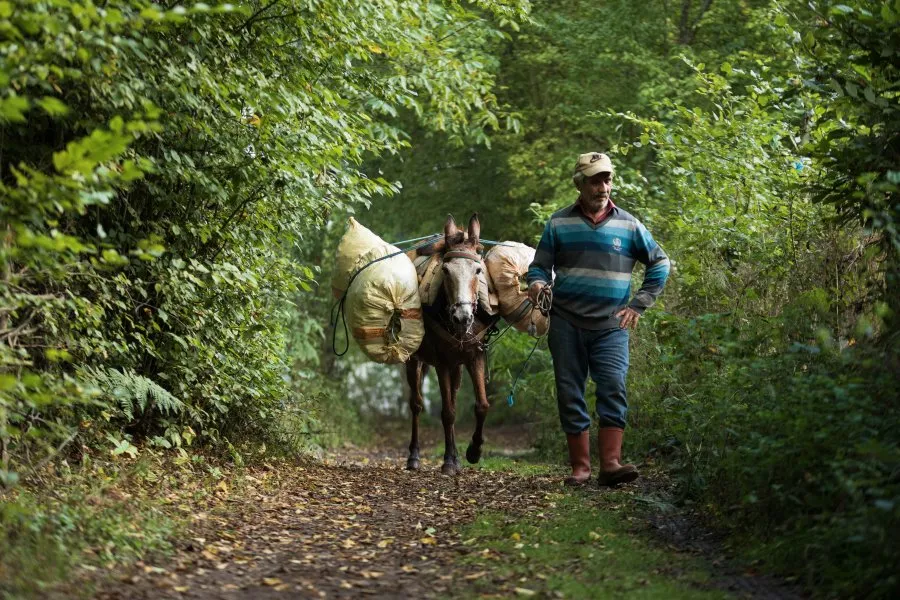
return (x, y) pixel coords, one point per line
(604, 355)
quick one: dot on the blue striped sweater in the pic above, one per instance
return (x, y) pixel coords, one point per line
(593, 265)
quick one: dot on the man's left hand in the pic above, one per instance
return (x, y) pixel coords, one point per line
(628, 318)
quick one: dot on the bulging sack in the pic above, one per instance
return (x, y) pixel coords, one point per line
(382, 305)
(507, 263)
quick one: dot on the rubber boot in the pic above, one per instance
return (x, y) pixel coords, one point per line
(579, 457)
(611, 471)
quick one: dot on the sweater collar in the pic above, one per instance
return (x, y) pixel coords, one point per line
(610, 207)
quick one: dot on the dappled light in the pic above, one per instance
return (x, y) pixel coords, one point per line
(261, 261)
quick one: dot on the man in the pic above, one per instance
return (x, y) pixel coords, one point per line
(592, 247)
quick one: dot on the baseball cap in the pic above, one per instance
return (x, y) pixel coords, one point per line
(591, 163)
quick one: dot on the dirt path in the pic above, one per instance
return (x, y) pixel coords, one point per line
(354, 525)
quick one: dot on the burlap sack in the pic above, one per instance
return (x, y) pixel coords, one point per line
(354, 245)
(382, 305)
(507, 263)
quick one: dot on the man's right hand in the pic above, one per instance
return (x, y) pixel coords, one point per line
(534, 290)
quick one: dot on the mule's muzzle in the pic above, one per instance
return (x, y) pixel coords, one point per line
(462, 316)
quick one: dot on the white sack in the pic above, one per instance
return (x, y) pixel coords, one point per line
(507, 263)
(382, 306)
(355, 243)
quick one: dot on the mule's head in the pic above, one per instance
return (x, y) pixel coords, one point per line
(462, 269)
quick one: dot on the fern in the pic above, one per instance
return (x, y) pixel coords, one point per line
(133, 392)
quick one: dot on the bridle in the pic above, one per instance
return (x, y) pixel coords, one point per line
(442, 331)
(474, 257)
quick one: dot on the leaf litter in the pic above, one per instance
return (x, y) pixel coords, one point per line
(338, 528)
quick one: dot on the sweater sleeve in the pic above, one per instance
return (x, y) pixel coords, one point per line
(649, 252)
(541, 268)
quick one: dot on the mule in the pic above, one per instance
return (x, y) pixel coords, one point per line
(455, 328)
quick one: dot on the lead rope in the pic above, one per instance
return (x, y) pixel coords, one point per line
(544, 303)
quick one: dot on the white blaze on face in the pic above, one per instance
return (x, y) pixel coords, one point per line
(461, 286)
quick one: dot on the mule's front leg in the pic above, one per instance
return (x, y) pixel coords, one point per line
(476, 372)
(449, 378)
(415, 371)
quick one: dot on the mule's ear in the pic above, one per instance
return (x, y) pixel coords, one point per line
(474, 229)
(450, 230)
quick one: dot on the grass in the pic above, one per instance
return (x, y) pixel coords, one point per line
(98, 514)
(584, 549)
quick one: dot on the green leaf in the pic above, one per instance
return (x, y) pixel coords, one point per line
(7, 382)
(12, 109)
(53, 106)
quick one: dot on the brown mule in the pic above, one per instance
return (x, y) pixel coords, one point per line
(579, 458)
(611, 471)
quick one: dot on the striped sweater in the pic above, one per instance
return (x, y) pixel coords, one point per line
(593, 265)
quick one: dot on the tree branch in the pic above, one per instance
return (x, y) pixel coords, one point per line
(254, 16)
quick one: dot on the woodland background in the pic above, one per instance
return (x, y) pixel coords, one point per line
(174, 180)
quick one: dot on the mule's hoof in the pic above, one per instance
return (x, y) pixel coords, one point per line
(473, 454)
(412, 464)
(448, 468)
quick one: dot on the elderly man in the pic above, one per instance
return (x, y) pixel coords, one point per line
(592, 247)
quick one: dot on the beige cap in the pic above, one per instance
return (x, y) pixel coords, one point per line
(591, 163)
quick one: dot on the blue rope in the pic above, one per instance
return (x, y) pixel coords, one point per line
(438, 235)
(494, 243)
(544, 303)
(511, 398)
(424, 237)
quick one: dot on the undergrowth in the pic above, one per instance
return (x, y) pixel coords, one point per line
(103, 510)
(581, 548)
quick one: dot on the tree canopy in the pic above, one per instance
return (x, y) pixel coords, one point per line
(175, 177)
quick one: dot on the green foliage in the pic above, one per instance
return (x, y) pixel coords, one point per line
(852, 73)
(758, 143)
(83, 523)
(162, 170)
(133, 393)
(800, 452)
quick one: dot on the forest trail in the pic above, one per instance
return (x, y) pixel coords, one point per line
(356, 524)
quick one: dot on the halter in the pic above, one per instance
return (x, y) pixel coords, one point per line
(462, 254)
(441, 331)
(473, 256)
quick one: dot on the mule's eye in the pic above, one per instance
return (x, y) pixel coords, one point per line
(478, 271)
(445, 269)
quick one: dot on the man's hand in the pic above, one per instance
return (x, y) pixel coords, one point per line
(628, 318)
(534, 290)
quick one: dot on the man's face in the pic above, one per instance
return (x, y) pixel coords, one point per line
(595, 191)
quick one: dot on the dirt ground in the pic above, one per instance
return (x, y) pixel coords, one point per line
(356, 524)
